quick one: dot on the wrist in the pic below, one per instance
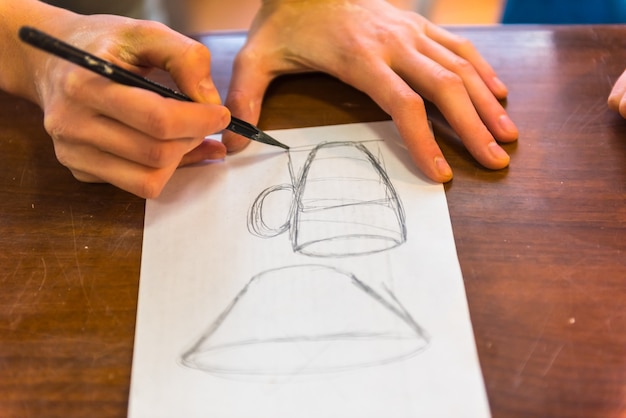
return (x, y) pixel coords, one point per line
(21, 63)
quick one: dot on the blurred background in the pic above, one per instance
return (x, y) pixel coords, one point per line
(209, 16)
(454, 12)
(196, 16)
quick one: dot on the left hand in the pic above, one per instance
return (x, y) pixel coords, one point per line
(396, 57)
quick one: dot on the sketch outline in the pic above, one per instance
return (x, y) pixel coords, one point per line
(384, 237)
(404, 329)
(396, 235)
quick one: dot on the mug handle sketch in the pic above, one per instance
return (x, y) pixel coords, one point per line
(303, 320)
(343, 205)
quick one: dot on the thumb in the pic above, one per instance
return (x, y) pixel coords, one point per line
(187, 61)
(245, 97)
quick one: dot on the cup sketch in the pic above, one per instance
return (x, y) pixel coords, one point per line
(303, 320)
(343, 205)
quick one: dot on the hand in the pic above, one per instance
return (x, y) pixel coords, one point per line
(617, 98)
(390, 55)
(129, 137)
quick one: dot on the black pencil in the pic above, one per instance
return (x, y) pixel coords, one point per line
(115, 73)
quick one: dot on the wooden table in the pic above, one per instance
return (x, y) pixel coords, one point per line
(542, 245)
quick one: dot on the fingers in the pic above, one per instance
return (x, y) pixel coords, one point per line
(487, 106)
(457, 87)
(396, 58)
(463, 48)
(463, 99)
(245, 96)
(407, 110)
(395, 93)
(98, 149)
(152, 44)
(617, 98)
(409, 115)
(92, 165)
(207, 150)
(132, 138)
(126, 136)
(147, 111)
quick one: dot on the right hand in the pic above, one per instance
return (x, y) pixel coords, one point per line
(126, 136)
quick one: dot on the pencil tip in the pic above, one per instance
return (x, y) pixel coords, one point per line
(271, 141)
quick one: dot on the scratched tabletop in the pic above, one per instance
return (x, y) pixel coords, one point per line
(542, 244)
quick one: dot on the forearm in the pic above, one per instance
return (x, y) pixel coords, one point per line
(19, 62)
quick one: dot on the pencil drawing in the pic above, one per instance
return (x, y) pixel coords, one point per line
(303, 320)
(312, 318)
(343, 205)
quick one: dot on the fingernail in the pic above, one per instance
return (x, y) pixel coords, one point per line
(499, 85)
(507, 124)
(497, 152)
(443, 168)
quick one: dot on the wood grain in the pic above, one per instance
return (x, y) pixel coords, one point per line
(541, 244)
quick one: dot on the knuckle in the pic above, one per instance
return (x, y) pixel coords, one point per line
(54, 125)
(64, 156)
(63, 139)
(84, 177)
(462, 66)
(134, 29)
(236, 95)
(160, 154)
(71, 83)
(246, 58)
(410, 100)
(197, 52)
(57, 126)
(445, 85)
(356, 45)
(159, 123)
(152, 186)
(155, 155)
(448, 79)
(394, 37)
(462, 45)
(150, 25)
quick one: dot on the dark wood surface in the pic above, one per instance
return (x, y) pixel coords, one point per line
(542, 244)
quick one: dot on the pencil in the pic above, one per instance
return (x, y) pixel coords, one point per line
(118, 74)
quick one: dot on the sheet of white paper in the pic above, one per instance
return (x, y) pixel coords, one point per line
(319, 282)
